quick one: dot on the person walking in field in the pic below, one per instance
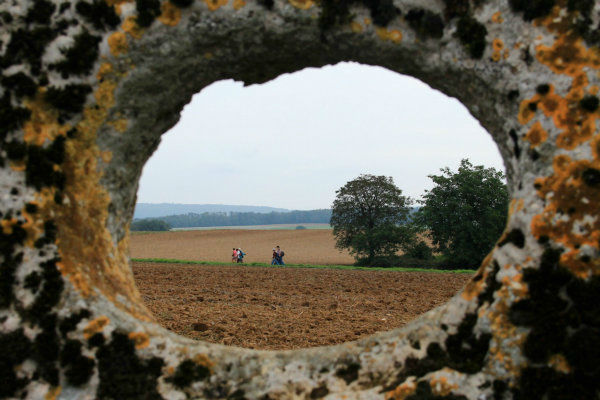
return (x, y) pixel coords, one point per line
(241, 255)
(234, 255)
(275, 260)
(280, 254)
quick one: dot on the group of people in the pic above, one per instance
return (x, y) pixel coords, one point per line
(277, 256)
(237, 256)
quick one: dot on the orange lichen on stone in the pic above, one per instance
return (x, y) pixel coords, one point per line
(117, 42)
(474, 287)
(53, 393)
(536, 135)
(202, 359)
(496, 56)
(441, 387)
(392, 35)
(132, 28)
(140, 339)
(104, 95)
(356, 27)
(576, 125)
(170, 15)
(526, 113)
(568, 55)
(497, 17)
(497, 44)
(559, 363)
(42, 126)
(104, 70)
(7, 225)
(90, 258)
(503, 331)
(34, 225)
(239, 4)
(120, 124)
(117, 2)
(302, 4)
(402, 391)
(568, 195)
(95, 326)
(214, 5)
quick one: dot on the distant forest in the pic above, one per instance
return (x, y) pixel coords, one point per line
(238, 219)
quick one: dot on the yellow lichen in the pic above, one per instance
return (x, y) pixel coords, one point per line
(402, 391)
(559, 363)
(7, 225)
(356, 27)
(497, 17)
(474, 287)
(42, 125)
(95, 326)
(140, 339)
(104, 70)
(117, 42)
(120, 124)
(53, 393)
(536, 135)
(302, 4)
(214, 5)
(392, 35)
(132, 28)
(239, 4)
(170, 15)
(441, 387)
(497, 44)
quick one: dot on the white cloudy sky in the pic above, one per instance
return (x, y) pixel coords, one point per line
(293, 141)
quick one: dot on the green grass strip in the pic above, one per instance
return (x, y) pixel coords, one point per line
(347, 267)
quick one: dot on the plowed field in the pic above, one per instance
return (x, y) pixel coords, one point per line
(285, 308)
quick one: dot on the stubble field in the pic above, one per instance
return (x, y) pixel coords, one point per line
(276, 307)
(310, 246)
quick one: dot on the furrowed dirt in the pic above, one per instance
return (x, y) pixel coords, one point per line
(287, 308)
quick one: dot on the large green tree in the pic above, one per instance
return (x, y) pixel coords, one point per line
(465, 212)
(369, 216)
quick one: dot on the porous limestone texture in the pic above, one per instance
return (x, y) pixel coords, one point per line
(89, 86)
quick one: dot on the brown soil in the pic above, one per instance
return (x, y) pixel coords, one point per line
(310, 246)
(286, 308)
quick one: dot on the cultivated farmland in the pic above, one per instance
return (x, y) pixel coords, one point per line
(276, 308)
(285, 308)
(310, 246)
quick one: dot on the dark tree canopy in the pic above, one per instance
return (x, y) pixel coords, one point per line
(369, 216)
(150, 224)
(465, 212)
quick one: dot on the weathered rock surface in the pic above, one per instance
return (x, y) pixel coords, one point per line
(87, 89)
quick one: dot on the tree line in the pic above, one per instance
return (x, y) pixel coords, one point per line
(209, 219)
(457, 224)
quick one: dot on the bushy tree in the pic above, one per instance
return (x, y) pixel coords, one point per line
(369, 217)
(465, 212)
(150, 224)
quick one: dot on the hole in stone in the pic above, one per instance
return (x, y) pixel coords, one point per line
(290, 144)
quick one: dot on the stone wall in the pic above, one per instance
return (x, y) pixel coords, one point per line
(88, 87)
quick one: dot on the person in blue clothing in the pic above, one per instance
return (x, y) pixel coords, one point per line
(275, 260)
(241, 255)
(280, 255)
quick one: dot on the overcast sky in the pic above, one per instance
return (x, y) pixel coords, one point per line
(293, 141)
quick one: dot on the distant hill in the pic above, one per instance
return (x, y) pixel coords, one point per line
(151, 210)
